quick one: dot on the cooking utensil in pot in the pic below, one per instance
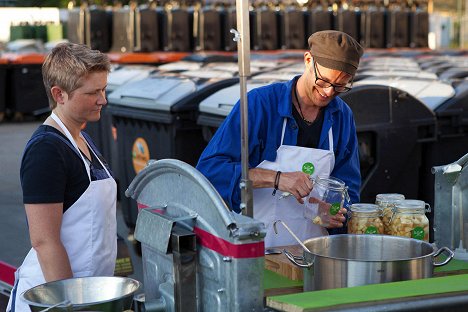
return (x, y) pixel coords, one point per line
(290, 232)
(349, 260)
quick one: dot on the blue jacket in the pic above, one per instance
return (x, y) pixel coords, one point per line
(220, 162)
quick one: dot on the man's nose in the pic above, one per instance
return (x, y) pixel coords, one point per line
(329, 91)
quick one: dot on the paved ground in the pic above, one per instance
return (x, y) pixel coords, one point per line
(14, 238)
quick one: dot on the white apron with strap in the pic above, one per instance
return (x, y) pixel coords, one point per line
(268, 208)
(88, 233)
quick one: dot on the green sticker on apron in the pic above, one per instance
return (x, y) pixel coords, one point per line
(308, 168)
(371, 230)
(334, 208)
(417, 233)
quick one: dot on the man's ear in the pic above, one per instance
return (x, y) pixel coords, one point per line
(57, 94)
(308, 60)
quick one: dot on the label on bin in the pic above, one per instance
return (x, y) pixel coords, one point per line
(335, 208)
(371, 230)
(418, 233)
(140, 154)
(308, 168)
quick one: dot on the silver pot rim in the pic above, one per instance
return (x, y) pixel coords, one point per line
(370, 236)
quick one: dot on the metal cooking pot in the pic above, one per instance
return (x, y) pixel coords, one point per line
(352, 260)
(98, 293)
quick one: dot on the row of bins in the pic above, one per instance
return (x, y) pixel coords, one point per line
(406, 122)
(405, 126)
(155, 117)
(177, 28)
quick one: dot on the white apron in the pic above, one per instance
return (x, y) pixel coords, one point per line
(88, 232)
(268, 208)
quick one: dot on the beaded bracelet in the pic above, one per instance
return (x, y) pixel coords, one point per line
(278, 173)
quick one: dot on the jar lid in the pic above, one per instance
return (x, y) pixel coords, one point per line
(330, 183)
(389, 197)
(361, 207)
(410, 204)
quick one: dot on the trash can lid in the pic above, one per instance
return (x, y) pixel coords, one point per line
(431, 92)
(128, 73)
(207, 73)
(276, 76)
(154, 93)
(399, 73)
(27, 58)
(180, 66)
(221, 102)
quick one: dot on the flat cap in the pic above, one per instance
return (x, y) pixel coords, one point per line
(335, 50)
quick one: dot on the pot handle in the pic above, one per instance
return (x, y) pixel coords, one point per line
(293, 259)
(450, 256)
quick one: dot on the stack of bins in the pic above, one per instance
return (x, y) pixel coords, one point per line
(3, 86)
(101, 131)
(155, 118)
(28, 95)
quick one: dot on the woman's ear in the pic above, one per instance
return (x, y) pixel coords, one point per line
(57, 94)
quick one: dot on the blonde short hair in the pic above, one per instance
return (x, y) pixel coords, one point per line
(67, 63)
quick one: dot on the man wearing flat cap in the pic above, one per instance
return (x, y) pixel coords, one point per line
(297, 130)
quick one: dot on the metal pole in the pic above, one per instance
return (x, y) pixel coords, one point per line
(243, 50)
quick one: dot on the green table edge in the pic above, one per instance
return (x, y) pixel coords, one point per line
(375, 292)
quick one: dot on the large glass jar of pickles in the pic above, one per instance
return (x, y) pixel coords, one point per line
(409, 220)
(365, 219)
(386, 203)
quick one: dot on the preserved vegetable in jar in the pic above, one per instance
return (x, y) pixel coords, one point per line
(387, 202)
(365, 219)
(325, 200)
(409, 220)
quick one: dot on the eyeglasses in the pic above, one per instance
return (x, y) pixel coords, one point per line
(322, 83)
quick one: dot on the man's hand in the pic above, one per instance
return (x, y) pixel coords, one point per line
(331, 222)
(297, 183)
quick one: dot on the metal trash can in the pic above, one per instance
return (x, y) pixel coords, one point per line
(373, 27)
(320, 18)
(397, 23)
(292, 24)
(123, 30)
(349, 21)
(155, 118)
(149, 26)
(267, 28)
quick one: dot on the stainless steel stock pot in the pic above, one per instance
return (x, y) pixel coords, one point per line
(352, 260)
